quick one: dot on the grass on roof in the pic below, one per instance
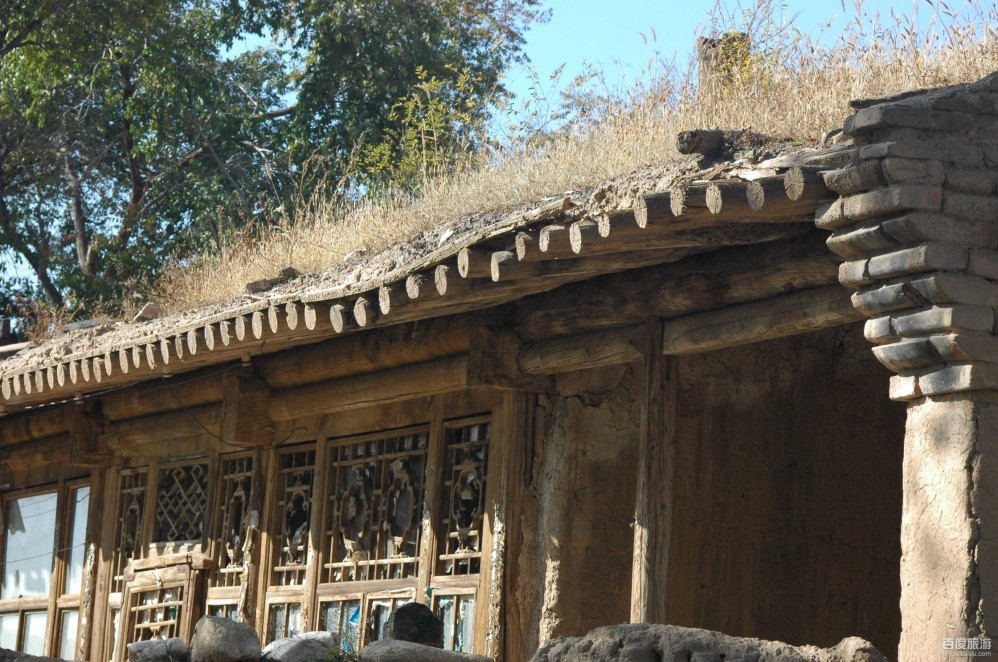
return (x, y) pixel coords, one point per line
(792, 85)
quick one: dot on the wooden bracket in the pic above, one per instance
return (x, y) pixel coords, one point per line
(88, 448)
(492, 362)
(245, 417)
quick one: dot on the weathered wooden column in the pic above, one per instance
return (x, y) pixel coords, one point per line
(656, 466)
(917, 225)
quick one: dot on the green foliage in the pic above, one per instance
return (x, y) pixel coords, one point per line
(132, 133)
(432, 131)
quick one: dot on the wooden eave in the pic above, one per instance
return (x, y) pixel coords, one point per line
(506, 262)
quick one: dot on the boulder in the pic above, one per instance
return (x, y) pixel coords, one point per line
(159, 650)
(219, 639)
(7, 655)
(304, 647)
(416, 623)
(396, 650)
(642, 642)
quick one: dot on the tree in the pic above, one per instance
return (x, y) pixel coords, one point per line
(130, 133)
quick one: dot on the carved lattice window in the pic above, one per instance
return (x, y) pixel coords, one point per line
(180, 503)
(236, 517)
(131, 509)
(155, 613)
(376, 493)
(464, 482)
(297, 471)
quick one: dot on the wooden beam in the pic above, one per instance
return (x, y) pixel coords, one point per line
(742, 324)
(163, 395)
(412, 381)
(583, 351)
(778, 317)
(764, 198)
(492, 362)
(655, 482)
(165, 427)
(704, 282)
(25, 426)
(35, 453)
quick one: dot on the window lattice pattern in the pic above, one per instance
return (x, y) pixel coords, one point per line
(376, 494)
(296, 475)
(180, 503)
(465, 474)
(232, 543)
(131, 504)
(154, 614)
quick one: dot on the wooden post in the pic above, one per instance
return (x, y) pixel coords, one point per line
(245, 416)
(656, 467)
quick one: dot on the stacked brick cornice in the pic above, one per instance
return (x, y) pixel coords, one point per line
(917, 228)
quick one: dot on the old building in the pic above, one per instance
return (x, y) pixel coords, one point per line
(668, 412)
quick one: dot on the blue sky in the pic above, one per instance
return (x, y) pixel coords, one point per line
(616, 35)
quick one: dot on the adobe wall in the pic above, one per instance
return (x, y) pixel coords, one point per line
(788, 501)
(574, 569)
(788, 493)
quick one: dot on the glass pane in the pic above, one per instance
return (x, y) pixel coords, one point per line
(8, 630)
(445, 612)
(230, 612)
(294, 620)
(277, 616)
(34, 633)
(77, 540)
(465, 625)
(28, 552)
(67, 639)
(343, 618)
(377, 619)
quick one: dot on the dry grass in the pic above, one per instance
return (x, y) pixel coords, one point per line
(791, 86)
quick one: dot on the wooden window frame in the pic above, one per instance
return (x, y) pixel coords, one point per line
(56, 602)
(436, 415)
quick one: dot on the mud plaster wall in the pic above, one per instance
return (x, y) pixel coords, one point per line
(574, 568)
(788, 498)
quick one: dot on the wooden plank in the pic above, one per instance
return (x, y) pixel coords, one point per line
(413, 381)
(655, 482)
(704, 282)
(778, 317)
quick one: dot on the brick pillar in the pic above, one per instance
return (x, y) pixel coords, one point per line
(917, 228)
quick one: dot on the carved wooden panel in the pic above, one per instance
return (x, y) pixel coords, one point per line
(180, 503)
(234, 538)
(130, 515)
(376, 493)
(295, 478)
(463, 497)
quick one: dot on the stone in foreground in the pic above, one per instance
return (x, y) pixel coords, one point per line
(642, 642)
(158, 650)
(394, 650)
(218, 639)
(303, 647)
(416, 623)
